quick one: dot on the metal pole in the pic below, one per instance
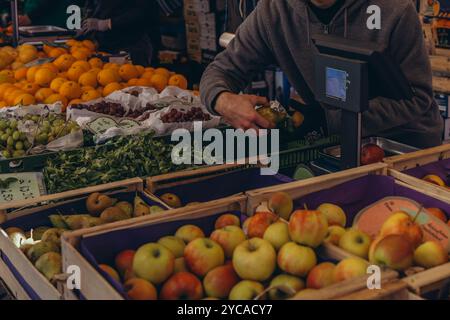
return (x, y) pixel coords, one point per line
(15, 22)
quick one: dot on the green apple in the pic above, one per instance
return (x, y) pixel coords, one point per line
(285, 286)
(356, 242)
(174, 244)
(430, 254)
(296, 260)
(246, 290)
(277, 234)
(335, 215)
(254, 259)
(229, 238)
(189, 233)
(334, 235)
(153, 262)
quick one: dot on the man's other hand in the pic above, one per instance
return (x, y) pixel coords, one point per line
(239, 111)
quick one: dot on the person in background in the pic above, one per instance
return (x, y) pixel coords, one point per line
(124, 25)
(47, 12)
(280, 32)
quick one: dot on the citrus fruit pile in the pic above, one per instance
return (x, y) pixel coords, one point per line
(74, 77)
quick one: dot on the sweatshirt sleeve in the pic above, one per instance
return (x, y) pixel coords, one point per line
(408, 48)
(135, 15)
(249, 52)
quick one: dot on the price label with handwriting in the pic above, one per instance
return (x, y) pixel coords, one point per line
(21, 186)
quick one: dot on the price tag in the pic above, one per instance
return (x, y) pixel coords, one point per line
(21, 186)
(128, 124)
(101, 125)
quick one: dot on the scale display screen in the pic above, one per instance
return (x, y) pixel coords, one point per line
(336, 84)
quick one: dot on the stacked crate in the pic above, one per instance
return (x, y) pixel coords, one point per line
(203, 19)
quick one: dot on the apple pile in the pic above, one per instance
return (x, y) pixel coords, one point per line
(265, 258)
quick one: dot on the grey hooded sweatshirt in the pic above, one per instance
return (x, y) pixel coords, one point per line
(280, 32)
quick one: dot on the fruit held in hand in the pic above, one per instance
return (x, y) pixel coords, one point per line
(335, 215)
(254, 259)
(140, 289)
(96, 203)
(281, 204)
(202, 255)
(174, 244)
(189, 233)
(182, 286)
(334, 235)
(229, 238)
(227, 220)
(394, 251)
(321, 276)
(430, 254)
(308, 228)
(296, 260)
(350, 268)
(277, 234)
(219, 282)
(286, 287)
(153, 262)
(356, 242)
(246, 290)
(371, 153)
(171, 200)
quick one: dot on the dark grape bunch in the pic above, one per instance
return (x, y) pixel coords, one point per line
(193, 114)
(113, 109)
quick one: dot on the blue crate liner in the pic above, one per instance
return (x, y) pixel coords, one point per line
(224, 186)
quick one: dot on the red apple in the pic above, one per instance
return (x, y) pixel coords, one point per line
(219, 281)
(308, 228)
(321, 276)
(350, 268)
(182, 286)
(281, 204)
(110, 271)
(124, 261)
(259, 224)
(202, 255)
(371, 153)
(189, 233)
(402, 223)
(227, 220)
(140, 289)
(229, 238)
(394, 251)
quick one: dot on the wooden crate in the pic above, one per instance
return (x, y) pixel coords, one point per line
(93, 285)
(424, 282)
(398, 164)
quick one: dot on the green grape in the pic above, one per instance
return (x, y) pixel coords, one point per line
(27, 144)
(19, 145)
(10, 141)
(13, 124)
(35, 118)
(18, 154)
(4, 137)
(16, 135)
(6, 154)
(9, 131)
(46, 124)
(3, 124)
(42, 138)
(23, 136)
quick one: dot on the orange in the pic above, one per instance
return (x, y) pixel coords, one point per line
(31, 73)
(27, 47)
(81, 63)
(3, 88)
(50, 66)
(132, 82)
(150, 69)
(88, 79)
(17, 65)
(96, 63)
(12, 96)
(95, 71)
(90, 95)
(70, 90)
(72, 42)
(107, 76)
(31, 88)
(42, 94)
(27, 56)
(140, 69)
(47, 49)
(81, 54)
(56, 98)
(7, 73)
(148, 74)
(163, 72)
(87, 88)
(44, 77)
(25, 99)
(56, 84)
(128, 71)
(55, 53)
(111, 65)
(89, 44)
(75, 101)
(112, 87)
(159, 82)
(100, 90)
(3, 104)
(144, 82)
(8, 91)
(75, 73)
(64, 62)
(20, 74)
(178, 81)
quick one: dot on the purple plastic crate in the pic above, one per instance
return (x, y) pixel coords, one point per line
(439, 168)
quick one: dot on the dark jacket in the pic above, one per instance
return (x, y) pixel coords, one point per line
(49, 12)
(131, 20)
(280, 32)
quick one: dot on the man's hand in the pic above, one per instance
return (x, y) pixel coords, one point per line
(239, 111)
(24, 20)
(92, 25)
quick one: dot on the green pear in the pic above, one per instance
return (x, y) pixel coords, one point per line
(94, 221)
(53, 235)
(37, 233)
(140, 207)
(49, 264)
(156, 209)
(41, 248)
(57, 221)
(77, 222)
(126, 207)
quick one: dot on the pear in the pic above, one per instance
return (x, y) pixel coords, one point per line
(94, 221)
(58, 221)
(126, 207)
(37, 233)
(140, 207)
(25, 248)
(171, 200)
(41, 248)
(113, 214)
(156, 209)
(49, 264)
(53, 235)
(96, 203)
(77, 222)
